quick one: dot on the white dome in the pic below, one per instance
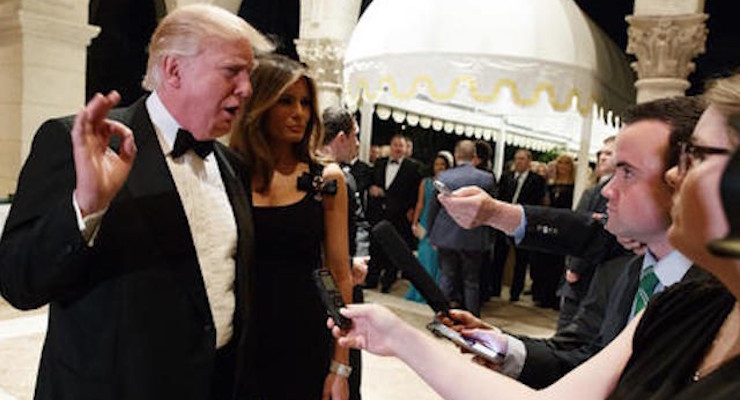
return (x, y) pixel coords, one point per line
(489, 57)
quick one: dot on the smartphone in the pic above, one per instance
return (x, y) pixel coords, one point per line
(331, 297)
(442, 188)
(471, 345)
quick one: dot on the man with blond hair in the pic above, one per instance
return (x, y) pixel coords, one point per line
(134, 226)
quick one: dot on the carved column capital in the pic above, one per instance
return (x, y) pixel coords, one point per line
(324, 58)
(665, 45)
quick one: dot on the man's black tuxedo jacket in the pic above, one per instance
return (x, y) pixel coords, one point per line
(533, 188)
(128, 317)
(400, 195)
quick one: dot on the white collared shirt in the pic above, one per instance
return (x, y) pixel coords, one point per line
(669, 270)
(391, 170)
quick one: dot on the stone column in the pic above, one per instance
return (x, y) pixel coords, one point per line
(43, 52)
(325, 29)
(665, 37)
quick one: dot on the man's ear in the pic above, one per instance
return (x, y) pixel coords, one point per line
(172, 70)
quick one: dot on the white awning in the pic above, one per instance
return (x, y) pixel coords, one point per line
(534, 67)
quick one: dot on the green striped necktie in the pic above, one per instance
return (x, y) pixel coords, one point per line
(648, 282)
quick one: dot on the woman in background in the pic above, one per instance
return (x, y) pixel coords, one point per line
(426, 254)
(300, 223)
(547, 269)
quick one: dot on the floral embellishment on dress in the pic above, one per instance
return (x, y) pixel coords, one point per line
(316, 185)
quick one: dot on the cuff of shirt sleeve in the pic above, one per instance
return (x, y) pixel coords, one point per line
(516, 355)
(520, 230)
(90, 224)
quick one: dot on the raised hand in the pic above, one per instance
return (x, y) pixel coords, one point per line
(100, 171)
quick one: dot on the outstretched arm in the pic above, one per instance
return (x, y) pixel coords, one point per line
(379, 331)
(472, 206)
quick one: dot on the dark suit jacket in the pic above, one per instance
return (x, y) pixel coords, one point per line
(399, 197)
(128, 317)
(444, 232)
(533, 189)
(565, 232)
(602, 315)
(591, 202)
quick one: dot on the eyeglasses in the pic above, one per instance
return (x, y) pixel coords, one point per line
(693, 154)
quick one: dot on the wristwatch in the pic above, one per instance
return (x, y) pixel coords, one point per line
(340, 369)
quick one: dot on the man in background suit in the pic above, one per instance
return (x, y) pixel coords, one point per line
(578, 272)
(391, 197)
(639, 204)
(461, 250)
(138, 234)
(340, 143)
(520, 186)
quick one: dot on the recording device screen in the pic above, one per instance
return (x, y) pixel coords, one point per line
(331, 297)
(441, 187)
(469, 344)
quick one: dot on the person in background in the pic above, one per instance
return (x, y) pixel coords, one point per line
(300, 219)
(375, 153)
(578, 272)
(134, 226)
(518, 186)
(363, 174)
(540, 168)
(546, 269)
(685, 345)
(391, 197)
(490, 282)
(410, 156)
(460, 250)
(483, 155)
(427, 254)
(340, 144)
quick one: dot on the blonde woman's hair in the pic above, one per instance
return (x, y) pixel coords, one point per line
(187, 30)
(724, 95)
(568, 159)
(273, 75)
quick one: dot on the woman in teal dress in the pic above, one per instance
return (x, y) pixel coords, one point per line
(426, 254)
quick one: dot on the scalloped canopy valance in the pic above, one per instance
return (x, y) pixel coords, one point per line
(540, 63)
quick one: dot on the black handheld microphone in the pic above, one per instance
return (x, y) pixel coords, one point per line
(399, 254)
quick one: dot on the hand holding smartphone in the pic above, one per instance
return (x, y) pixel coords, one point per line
(442, 188)
(469, 344)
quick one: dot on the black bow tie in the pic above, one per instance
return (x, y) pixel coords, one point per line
(394, 161)
(185, 141)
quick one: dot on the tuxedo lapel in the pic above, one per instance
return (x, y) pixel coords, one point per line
(382, 165)
(154, 195)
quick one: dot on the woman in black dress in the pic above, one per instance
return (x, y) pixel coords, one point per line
(684, 345)
(300, 222)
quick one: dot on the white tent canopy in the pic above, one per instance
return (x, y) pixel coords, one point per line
(531, 71)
